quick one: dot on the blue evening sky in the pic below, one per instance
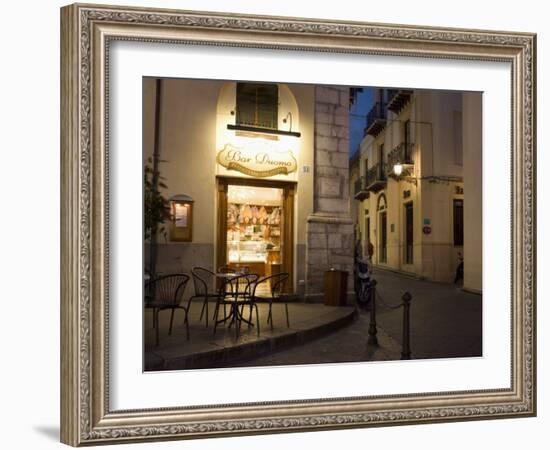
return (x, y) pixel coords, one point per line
(358, 118)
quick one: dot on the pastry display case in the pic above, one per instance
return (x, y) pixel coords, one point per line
(253, 236)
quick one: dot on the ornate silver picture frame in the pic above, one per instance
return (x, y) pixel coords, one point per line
(87, 33)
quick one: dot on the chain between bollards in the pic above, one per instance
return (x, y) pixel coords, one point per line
(373, 340)
(406, 351)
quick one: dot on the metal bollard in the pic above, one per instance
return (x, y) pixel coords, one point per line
(372, 340)
(406, 351)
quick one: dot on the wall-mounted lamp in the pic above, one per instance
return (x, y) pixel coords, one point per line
(289, 115)
(402, 172)
(398, 169)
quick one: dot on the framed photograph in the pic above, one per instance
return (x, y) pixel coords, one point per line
(276, 224)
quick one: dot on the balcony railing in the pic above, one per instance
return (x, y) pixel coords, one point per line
(401, 154)
(262, 119)
(361, 192)
(376, 119)
(259, 117)
(376, 177)
(398, 98)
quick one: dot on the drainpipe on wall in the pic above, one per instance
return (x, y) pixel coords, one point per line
(153, 246)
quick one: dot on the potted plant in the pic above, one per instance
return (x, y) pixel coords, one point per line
(156, 210)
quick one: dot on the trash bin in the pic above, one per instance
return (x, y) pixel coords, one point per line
(336, 286)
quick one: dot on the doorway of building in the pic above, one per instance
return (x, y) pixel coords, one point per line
(255, 226)
(367, 231)
(409, 234)
(383, 255)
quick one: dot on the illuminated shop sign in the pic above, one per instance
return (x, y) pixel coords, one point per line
(257, 161)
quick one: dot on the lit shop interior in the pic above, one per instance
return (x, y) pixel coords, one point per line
(254, 228)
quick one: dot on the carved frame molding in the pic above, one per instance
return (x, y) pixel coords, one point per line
(87, 31)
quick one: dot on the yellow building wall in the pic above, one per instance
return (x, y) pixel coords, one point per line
(473, 177)
(193, 112)
(446, 145)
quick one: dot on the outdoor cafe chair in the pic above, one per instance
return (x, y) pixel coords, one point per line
(276, 285)
(237, 297)
(166, 292)
(204, 282)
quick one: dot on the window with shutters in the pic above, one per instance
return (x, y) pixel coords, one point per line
(257, 105)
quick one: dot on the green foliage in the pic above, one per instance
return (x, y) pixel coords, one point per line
(156, 209)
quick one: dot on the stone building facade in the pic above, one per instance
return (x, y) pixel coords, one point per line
(329, 227)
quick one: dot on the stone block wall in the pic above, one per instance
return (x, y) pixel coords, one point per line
(330, 228)
(329, 246)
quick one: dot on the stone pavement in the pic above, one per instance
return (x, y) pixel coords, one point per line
(446, 322)
(206, 350)
(348, 344)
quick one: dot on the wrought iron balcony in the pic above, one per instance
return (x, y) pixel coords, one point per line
(376, 119)
(259, 119)
(398, 98)
(361, 192)
(376, 177)
(401, 154)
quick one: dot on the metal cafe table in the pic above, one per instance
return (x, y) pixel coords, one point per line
(235, 290)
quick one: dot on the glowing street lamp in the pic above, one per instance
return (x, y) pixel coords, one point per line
(398, 169)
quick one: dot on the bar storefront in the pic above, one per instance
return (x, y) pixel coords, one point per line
(264, 176)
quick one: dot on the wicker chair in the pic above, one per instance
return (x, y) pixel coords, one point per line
(166, 292)
(276, 283)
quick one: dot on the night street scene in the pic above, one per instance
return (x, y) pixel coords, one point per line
(291, 224)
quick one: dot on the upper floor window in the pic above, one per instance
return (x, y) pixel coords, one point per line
(407, 149)
(458, 222)
(407, 132)
(257, 105)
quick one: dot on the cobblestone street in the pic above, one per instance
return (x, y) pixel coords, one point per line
(445, 322)
(346, 345)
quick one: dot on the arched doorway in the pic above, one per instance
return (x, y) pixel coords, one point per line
(382, 250)
(256, 166)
